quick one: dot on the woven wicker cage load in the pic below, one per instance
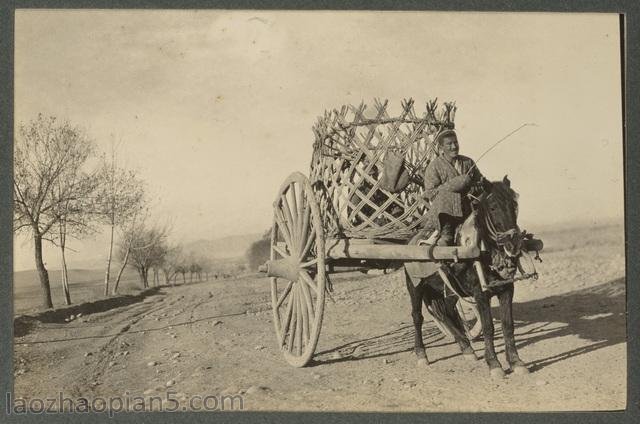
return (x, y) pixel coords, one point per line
(353, 148)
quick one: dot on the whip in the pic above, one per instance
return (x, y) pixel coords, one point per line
(498, 142)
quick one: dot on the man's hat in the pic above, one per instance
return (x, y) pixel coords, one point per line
(442, 134)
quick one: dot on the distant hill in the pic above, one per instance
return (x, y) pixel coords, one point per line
(223, 248)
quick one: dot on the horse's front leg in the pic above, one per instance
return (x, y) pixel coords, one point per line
(506, 316)
(415, 294)
(483, 301)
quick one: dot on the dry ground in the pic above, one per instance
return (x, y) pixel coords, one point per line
(217, 338)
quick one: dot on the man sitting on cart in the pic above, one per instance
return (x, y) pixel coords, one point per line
(448, 180)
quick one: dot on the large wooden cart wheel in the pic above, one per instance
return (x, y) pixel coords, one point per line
(297, 269)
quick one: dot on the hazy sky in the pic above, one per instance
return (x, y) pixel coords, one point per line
(215, 108)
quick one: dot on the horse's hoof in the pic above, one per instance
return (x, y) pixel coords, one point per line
(423, 362)
(470, 356)
(497, 373)
(521, 370)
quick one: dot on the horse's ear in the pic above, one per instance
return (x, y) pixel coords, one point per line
(486, 185)
(506, 181)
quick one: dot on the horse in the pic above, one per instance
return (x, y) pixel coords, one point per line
(493, 224)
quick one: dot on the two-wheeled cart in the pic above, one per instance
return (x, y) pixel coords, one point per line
(359, 207)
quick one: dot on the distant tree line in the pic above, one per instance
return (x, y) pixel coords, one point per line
(63, 188)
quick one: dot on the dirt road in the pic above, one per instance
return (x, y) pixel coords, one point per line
(217, 338)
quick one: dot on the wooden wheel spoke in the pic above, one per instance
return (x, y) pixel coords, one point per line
(274, 293)
(307, 246)
(287, 322)
(309, 301)
(307, 279)
(305, 318)
(294, 206)
(284, 294)
(280, 251)
(302, 203)
(307, 264)
(289, 219)
(294, 323)
(304, 232)
(299, 324)
(284, 230)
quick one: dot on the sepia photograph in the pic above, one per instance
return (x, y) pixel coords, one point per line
(345, 211)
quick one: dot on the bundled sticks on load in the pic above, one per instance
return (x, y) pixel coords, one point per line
(358, 150)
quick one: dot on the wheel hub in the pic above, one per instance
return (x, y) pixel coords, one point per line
(287, 268)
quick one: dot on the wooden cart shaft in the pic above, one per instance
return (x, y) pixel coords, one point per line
(360, 249)
(347, 248)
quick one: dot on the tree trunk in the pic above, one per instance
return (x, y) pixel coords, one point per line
(184, 280)
(106, 275)
(65, 272)
(42, 271)
(124, 265)
(65, 278)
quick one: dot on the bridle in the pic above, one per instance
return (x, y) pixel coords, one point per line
(498, 237)
(501, 238)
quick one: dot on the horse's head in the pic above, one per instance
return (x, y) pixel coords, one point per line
(498, 213)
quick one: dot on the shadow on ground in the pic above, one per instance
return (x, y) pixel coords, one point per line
(390, 343)
(596, 314)
(23, 324)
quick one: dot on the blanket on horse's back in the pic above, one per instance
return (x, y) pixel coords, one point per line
(418, 270)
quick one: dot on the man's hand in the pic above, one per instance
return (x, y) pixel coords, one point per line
(478, 187)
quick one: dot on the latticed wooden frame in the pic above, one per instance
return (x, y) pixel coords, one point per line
(348, 160)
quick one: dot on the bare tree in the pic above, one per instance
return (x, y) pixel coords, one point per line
(182, 269)
(148, 246)
(120, 198)
(207, 267)
(172, 261)
(157, 266)
(74, 212)
(129, 230)
(46, 152)
(195, 268)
